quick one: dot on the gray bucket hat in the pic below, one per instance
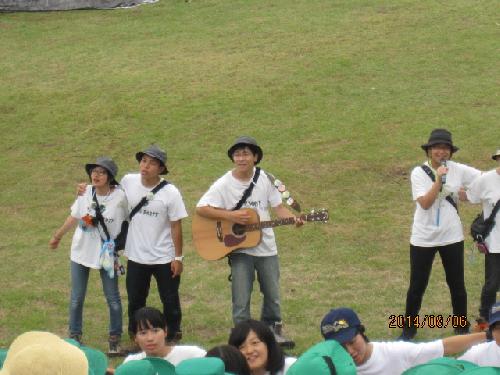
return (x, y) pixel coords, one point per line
(108, 164)
(246, 141)
(440, 136)
(155, 152)
(496, 155)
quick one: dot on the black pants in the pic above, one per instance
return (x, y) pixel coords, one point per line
(138, 282)
(491, 283)
(421, 258)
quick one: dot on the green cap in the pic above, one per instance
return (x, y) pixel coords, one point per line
(325, 358)
(486, 370)
(146, 366)
(98, 362)
(201, 366)
(441, 366)
(3, 354)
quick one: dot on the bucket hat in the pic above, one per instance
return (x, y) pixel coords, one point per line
(146, 366)
(494, 314)
(201, 366)
(440, 136)
(340, 324)
(320, 358)
(155, 152)
(108, 164)
(98, 362)
(45, 352)
(496, 155)
(246, 141)
(441, 366)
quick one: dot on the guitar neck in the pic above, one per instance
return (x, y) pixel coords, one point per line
(270, 224)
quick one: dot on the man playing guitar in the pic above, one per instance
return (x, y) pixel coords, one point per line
(223, 201)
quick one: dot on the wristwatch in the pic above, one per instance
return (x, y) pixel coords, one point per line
(180, 258)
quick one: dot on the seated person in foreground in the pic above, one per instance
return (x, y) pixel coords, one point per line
(150, 335)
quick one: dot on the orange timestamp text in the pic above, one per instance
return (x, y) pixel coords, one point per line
(431, 321)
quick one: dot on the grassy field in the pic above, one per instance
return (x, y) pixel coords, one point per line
(340, 95)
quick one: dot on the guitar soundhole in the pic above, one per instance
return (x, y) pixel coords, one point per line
(238, 229)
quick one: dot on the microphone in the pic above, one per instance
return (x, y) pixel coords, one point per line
(443, 177)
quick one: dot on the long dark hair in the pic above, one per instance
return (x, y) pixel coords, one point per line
(234, 361)
(275, 356)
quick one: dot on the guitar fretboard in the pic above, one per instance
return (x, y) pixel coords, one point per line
(270, 224)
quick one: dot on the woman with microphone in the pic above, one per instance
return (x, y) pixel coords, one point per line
(437, 227)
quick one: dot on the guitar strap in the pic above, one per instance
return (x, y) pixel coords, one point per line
(285, 194)
(433, 178)
(248, 190)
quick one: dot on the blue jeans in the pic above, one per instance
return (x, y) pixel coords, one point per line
(243, 268)
(79, 281)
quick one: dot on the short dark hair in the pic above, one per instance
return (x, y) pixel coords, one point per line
(234, 361)
(275, 356)
(148, 317)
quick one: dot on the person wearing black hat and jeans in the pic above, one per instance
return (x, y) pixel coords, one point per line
(154, 241)
(486, 190)
(387, 358)
(87, 242)
(437, 227)
(219, 203)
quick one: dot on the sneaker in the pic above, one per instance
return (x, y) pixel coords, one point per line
(115, 349)
(77, 337)
(481, 325)
(173, 339)
(281, 339)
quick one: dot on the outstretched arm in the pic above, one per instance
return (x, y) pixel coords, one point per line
(282, 212)
(460, 343)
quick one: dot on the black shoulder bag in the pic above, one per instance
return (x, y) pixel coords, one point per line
(121, 239)
(481, 228)
(433, 178)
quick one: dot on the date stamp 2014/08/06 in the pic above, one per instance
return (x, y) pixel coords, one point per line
(431, 321)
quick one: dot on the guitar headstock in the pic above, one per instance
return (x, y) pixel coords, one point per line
(317, 215)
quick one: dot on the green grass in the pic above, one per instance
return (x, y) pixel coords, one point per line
(340, 94)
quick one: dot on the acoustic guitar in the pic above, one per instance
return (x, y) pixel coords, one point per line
(214, 239)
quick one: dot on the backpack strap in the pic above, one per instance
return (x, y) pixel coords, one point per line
(144, 199)
(491, 218)
(248, 191)
(331, 366)
(431, 175)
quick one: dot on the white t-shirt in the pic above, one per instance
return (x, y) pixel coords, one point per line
(86, 244)
(439, 225)
(486, 189)
(484, 354)
(178, 354)
(227, 191)
(289, 361)
(149, 239)
(393, 358)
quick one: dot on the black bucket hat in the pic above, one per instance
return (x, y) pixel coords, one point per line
(155, 152)
(108, 164)
(440, 136)
(246, 141)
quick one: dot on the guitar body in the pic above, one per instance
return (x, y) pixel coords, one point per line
(214, 239)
